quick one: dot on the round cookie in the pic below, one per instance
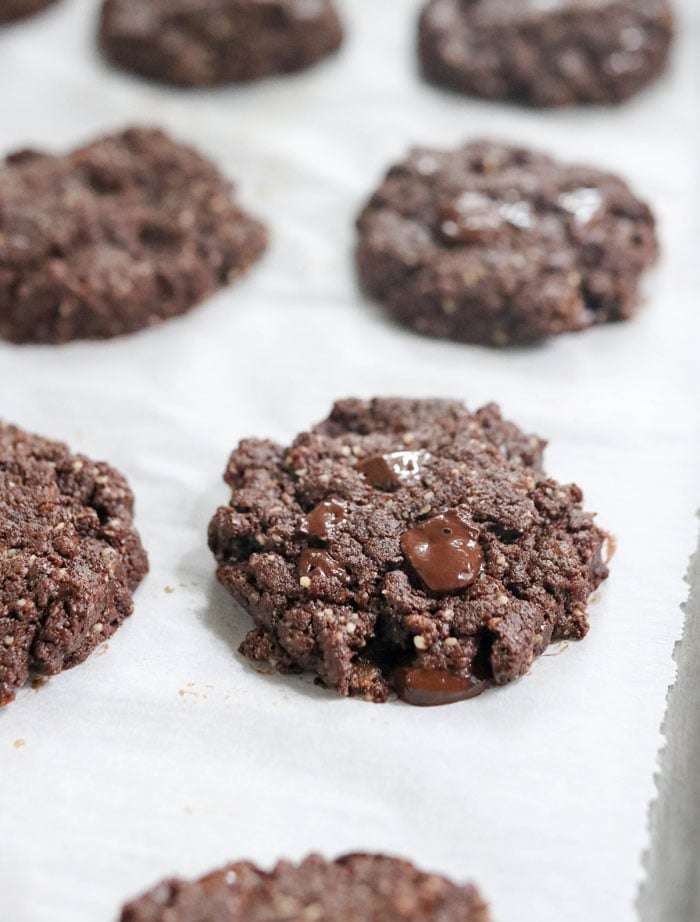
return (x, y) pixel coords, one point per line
(371, 888)
(407, 546)
(209, 42)
(18, 9)
(120, 235)
(552, 53)
(70, 559)
(497, 244)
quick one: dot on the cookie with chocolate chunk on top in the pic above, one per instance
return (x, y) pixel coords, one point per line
(114, 237)
(497, 244)
(546, 52)
(70, 558)
(373, 888)
(209, 42)
(405, 546)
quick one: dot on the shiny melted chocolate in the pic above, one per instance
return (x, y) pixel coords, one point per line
(473, 218)
(444, 552)
(387, 472)
(324, 519)
(427, 687)
(315, 562)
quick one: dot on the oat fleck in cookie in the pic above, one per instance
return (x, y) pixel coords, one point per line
(208, 42)
(546, 52)
(407, 546)
(371, 888)
(120, 235)
(18, 9)
(497, 244)
(70, 559)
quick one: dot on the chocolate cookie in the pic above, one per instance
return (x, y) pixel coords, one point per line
(69, 557)
(553, 53)
(18, 9)
(371, 888)
(208, 42)
(497, 244)
(122, 234)
(405, 545)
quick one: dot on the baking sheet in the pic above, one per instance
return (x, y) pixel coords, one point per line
(672, 886)
(166, 752)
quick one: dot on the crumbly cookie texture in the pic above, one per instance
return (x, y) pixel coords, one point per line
(208, 42)
(18, 9)
(120, 235)
(70, 559)
(408, 546)
(556, 53)
(371, 888)
(497, 244)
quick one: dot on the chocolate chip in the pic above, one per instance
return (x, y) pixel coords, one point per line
(471, 218)
(444, 552)
(313, 563)
(324, 519)
(431, 687)
(386, 472)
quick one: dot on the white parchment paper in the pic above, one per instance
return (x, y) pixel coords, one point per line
(167, 753)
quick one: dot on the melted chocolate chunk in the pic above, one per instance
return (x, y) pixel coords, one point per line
(324, 519)
(444, 552)
(431, 687)
(320, 563)
(471, 218)
(387, 472)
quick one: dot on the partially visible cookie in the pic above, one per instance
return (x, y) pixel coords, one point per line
(18, 9)
(70, 559)
(407, 546)
(551, 53)
(120, 235)
(208, 42)
(496, 244)
(370, 888)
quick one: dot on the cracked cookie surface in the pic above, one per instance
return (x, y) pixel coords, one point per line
(209, 42)
(557, 53)
(373, 888)
(408, 546)
(120, 235)
(70, 559)
(497, 244)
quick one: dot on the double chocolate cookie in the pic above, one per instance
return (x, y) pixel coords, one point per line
(407, 546)
(497, 244)
(546, 52)
(18, 9)
(120, 235)
(207, 42)
(371, 888)
(69, 557)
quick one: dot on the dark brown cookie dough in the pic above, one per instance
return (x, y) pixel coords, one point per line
(370, 888)
(70, 559)
(497, 244)
(18, 9)
(405, 545)
(120, 235)
(208, 42)
(552, 53)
